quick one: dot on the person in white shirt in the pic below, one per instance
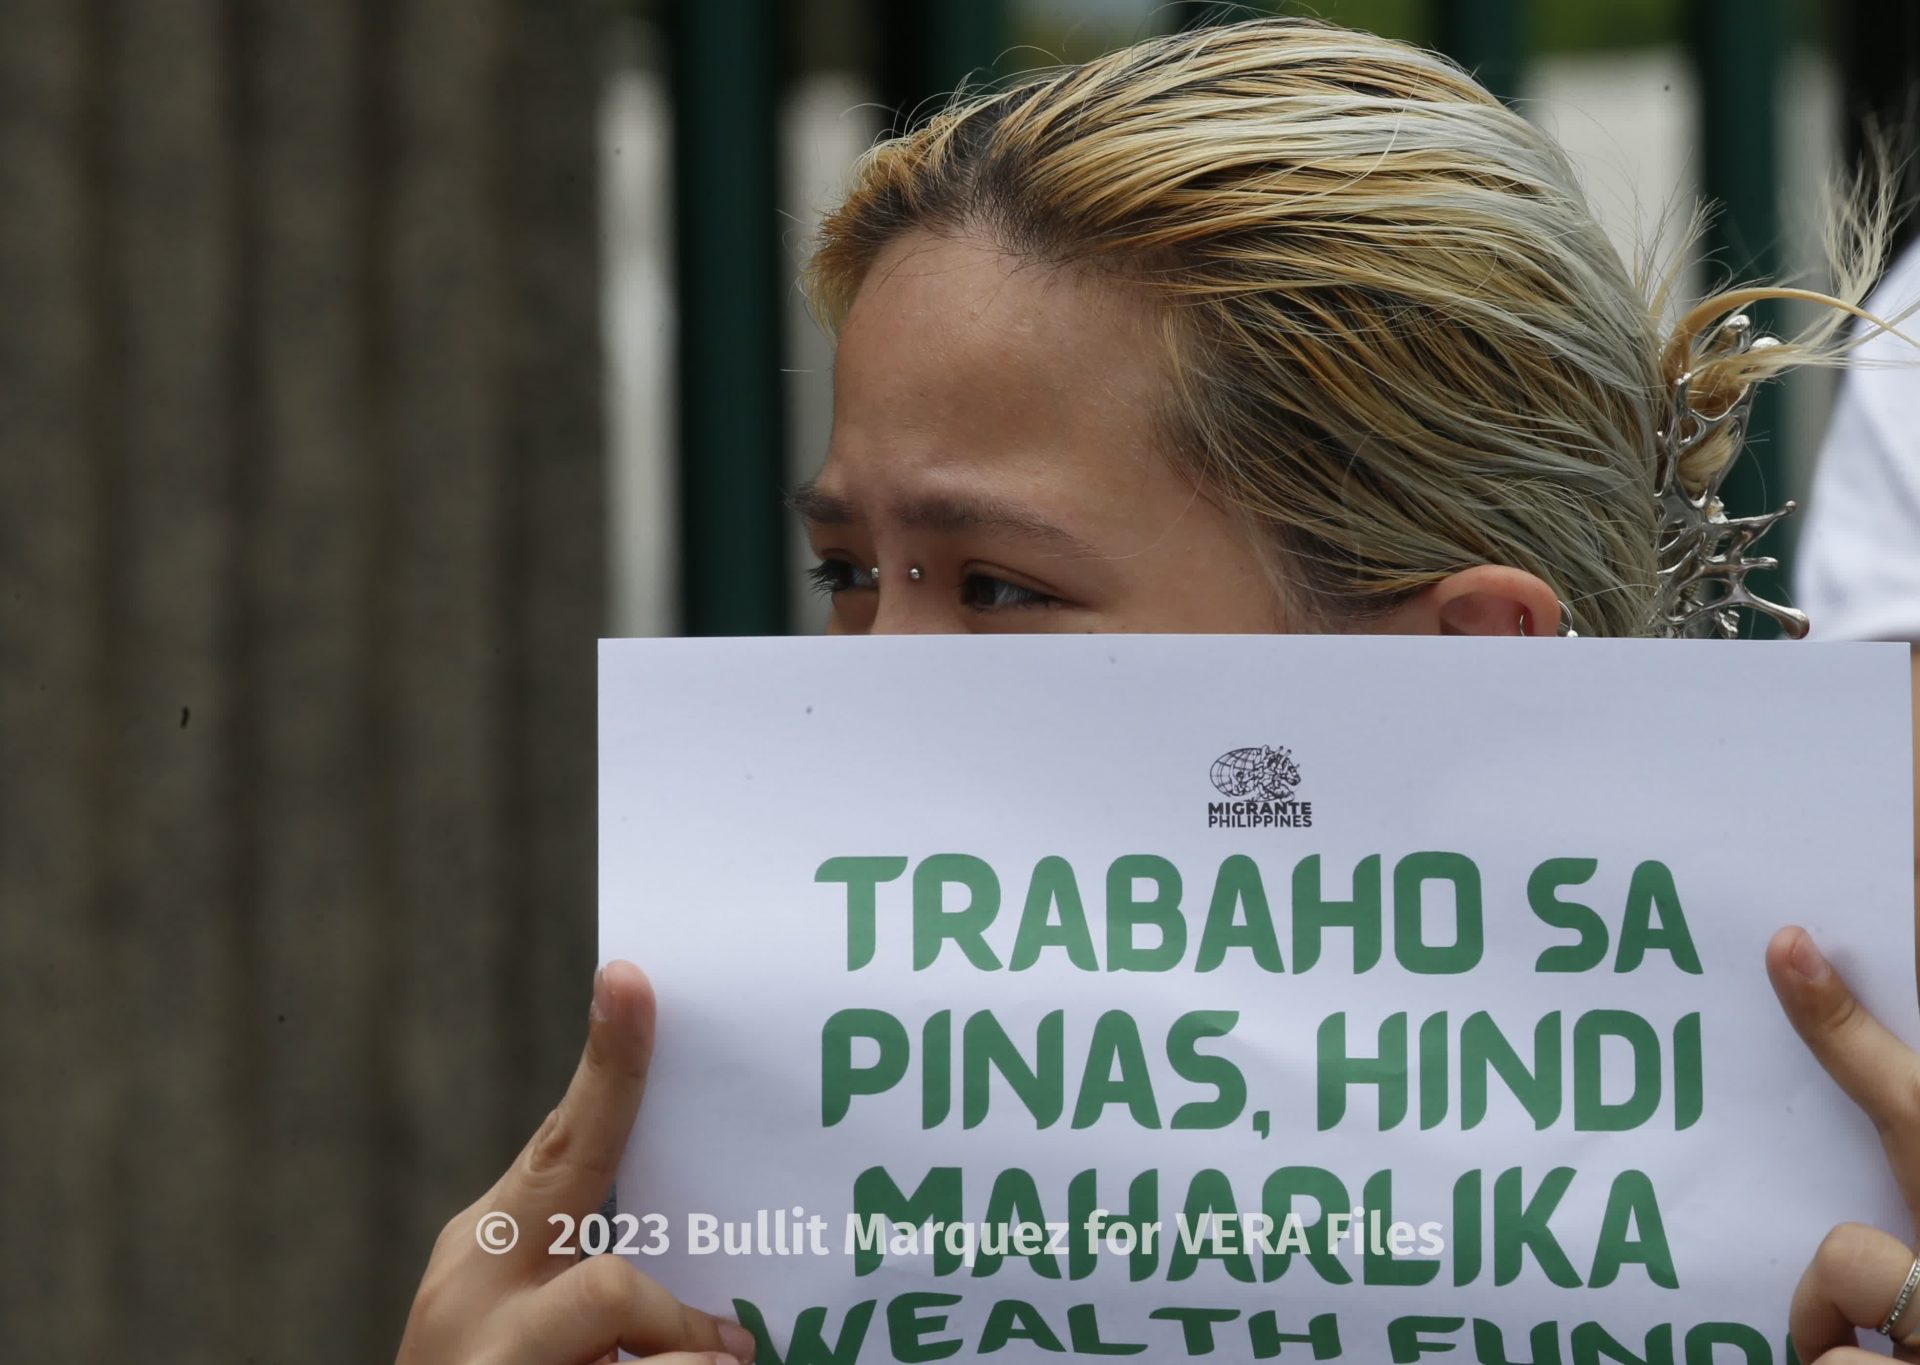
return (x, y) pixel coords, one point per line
(1858, 574)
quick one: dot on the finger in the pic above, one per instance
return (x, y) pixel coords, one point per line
(1852, 1283)
(569, 1165)
(1878, 1071)
(603, 1302)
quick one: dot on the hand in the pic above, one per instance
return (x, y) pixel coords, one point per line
(528, 1307)
(1858, 1272)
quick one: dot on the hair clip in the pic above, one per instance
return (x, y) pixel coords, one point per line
(1702, 551)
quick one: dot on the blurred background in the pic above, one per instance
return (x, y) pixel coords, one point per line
(361, 363)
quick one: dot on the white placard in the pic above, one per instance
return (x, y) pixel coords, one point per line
(1465, 934)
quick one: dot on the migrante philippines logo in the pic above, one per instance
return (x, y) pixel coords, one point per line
(1264, 783)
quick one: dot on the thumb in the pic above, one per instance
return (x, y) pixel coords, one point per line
(1879, 1073)
(571, 1162)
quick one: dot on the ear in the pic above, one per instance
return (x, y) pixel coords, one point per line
(1488, 599)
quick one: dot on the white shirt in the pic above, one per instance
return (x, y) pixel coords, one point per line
(1857, 575)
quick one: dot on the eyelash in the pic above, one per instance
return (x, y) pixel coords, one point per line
(833, 576)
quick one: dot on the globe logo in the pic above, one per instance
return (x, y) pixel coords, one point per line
(1261, 771)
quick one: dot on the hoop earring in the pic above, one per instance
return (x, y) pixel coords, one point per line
(1565, 627)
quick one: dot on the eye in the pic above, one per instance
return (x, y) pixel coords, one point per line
(984, 592)
(831, 576)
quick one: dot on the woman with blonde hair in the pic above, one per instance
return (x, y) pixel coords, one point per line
(1269, 327)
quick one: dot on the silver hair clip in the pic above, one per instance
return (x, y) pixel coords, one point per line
(1703, 551)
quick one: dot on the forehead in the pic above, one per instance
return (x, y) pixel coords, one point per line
(957, 355)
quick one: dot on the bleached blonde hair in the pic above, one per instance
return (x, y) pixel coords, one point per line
(1396, 338)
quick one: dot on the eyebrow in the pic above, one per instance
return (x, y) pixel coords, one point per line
(944, 513)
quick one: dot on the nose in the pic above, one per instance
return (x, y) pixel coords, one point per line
(908, 608)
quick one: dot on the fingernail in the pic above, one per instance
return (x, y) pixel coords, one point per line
(1807, 963)
(718, 1359)
(598, 1010)
(737, 1339)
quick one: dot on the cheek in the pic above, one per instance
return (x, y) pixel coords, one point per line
(1208, 580)
(851, 614)
(1210, 599)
